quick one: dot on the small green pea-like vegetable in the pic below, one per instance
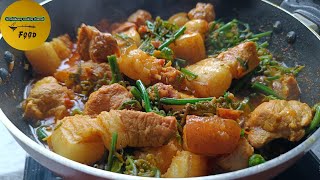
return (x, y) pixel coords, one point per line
(256, 159)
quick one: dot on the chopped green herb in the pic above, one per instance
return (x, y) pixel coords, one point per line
(116, 74)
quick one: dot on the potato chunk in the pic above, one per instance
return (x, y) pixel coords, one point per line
(179, 19)
(210, 135)
(47, 58)
(189, 47)
(214, 78)
(186, 164)
(163, 155)
(77, 138)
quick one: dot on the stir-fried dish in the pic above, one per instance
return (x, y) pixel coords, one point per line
(184, 97)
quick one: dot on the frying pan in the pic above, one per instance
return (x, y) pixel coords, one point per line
(67, 15)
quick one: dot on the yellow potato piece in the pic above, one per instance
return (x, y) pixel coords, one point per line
(44, 59)
(134, 35)
(179, 19)
(77, 138)
(186, 164)
(214, 78)
(189, 47)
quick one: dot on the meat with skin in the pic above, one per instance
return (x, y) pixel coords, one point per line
(46, 99)
(238, 159)
(86, 71)
(210, 136)
(164, 91)
(202, 11)
(287, 87)
(95, 45)
(137, 129)
(241, 59)
(278, 119)
(106, 98)
(215, 74)
(140, 17)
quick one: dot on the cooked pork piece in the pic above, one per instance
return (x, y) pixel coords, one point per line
(202, 11)
(47, 98)
(241, 59)
(106, 98)
(278, 119)
(95, 45)
(215, 74)
(210, 135)
(287, 87)
(238, 159)
(140, 17)
(137, 129)
(83, 71)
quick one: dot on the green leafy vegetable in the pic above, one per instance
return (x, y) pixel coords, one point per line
(223, 36)
(130, 104)
(141, 167)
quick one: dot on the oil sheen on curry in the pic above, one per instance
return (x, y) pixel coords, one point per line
(180, 97)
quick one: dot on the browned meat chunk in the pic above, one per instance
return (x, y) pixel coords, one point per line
(238, 159)
(202, 11)
(137, 129)
(140, 17)
(164, 91)
(287, 87)
(278, 119)
(47, 98)
(241, 59)
(95, 45)
(162, 155)
(83, 71)
(121, 27)
(106, 98)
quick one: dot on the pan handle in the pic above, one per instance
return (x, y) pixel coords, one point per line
(305, 10)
